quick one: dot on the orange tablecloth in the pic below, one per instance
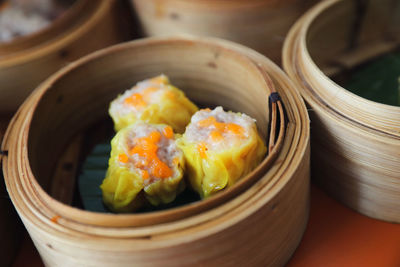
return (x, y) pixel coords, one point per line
(339, 236)
(335, 236)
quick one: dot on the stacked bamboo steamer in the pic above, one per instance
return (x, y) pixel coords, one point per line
(26, 61)
(356, 142)
(267, 211)
(259, 24)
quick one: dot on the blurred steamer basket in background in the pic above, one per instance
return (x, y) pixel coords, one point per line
(355, 141)
(258, 24)
(84, 27)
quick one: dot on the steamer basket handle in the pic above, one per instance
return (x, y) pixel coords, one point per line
(277, 114)
(277, 121)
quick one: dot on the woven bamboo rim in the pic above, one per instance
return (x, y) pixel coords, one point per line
(207, 236)
(38, 55)
(258, 24)
(356, 142)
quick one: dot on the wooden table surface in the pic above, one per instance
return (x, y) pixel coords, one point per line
(335, 236)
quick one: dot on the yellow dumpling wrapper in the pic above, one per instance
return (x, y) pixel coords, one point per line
(125, 188)
(153, 101)
(210, 171)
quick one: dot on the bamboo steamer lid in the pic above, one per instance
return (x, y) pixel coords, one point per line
(356, 142)
(267, 211)
(26, 61)
(259, 24)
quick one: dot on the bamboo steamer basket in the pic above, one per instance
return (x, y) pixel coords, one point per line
(26, 61)
(259, 24)
(356, 142)
(267, 210)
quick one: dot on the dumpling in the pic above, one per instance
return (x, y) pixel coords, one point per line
(219, 148)
(145, 166)
(154, 101)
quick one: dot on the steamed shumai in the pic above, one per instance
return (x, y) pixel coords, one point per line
(145, 166)
(153, 100)
(219, 148)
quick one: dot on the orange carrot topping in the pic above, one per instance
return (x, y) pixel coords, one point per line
(123, 158)
(55, 218)
(216, 136)
(141, 99)
(202, 148)
(146, 147)
(234, 128)
(155, 136)
(168, 132)
(160, 169)
(135, 100)
(220, 127)
(145, 174)
(207, 122)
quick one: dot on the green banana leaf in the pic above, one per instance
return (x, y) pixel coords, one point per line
(378, 80)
